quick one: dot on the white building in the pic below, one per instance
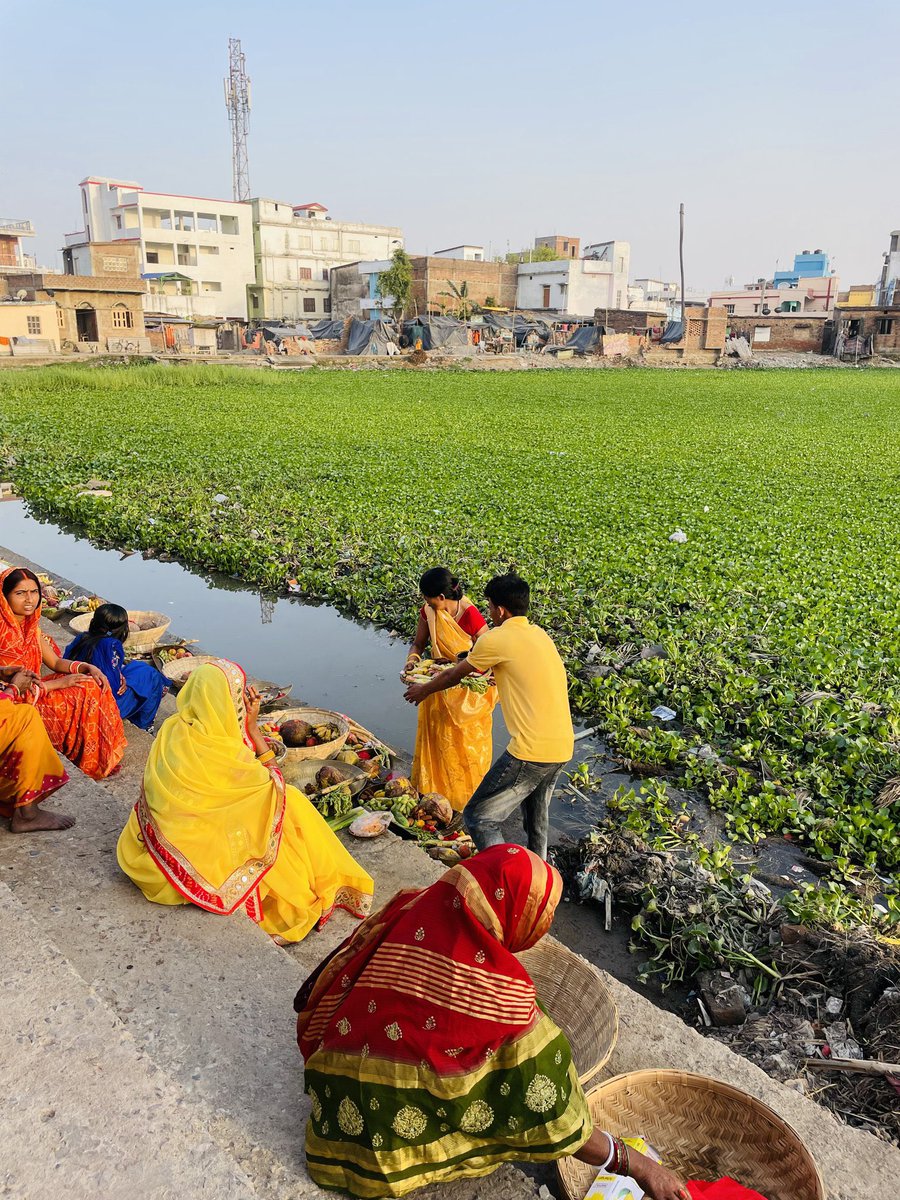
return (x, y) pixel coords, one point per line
(467, 253)
(295, 249)
(575, 287)
(889, 284)
(196, 253)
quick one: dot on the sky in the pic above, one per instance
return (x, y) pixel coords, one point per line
(775, 123)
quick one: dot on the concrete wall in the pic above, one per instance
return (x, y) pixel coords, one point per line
(28, 319)
(577, 287)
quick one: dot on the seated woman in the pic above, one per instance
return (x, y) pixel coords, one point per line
(216, 826)
(453, 737)
(427, 1056)
(137, 686)
(76, 703)
(30, 769)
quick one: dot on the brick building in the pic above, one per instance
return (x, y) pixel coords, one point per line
(781, 331)
(562, 247)
(434, 279)
(871, 330)
(630, 320)
(100, 303)
(703, 339)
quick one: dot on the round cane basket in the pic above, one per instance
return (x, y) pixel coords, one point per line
(139, 640)
(179, 669)
(312, 716)
(702, 1129)
(574, 996)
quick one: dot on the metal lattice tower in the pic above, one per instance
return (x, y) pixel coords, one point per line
(237, 101)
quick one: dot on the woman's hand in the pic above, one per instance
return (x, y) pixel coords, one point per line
(63, 681)
(657, 1181)
(94, 673)
(22, 680)
(253, 701)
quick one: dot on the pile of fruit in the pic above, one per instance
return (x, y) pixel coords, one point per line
(296, 732)
(173, 653)
(331, 792)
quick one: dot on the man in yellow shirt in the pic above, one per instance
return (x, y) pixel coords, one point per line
(531, 680)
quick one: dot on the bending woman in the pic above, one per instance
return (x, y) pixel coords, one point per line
(30, 769)
(216, 826)
(427, 1056)
(76, 703)
(453, 737)
(137, 686)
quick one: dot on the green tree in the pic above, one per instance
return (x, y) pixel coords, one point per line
(461, 304)
(396, 283)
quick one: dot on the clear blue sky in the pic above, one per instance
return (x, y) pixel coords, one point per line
(777, 123)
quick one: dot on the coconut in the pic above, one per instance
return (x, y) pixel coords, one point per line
(437, 806)
(295, 733)
(328, 776)
(399, 787)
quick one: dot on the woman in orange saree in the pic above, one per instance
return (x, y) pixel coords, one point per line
(453, 738)
(30, 769)
(75, 702)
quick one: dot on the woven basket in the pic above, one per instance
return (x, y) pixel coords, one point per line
(703, 1129)
(312, 716)
(577, 1000)
(178, 670)
(140, 640)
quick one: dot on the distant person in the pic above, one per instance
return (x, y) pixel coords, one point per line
(531, 680)
(30, 769)
(137, 686)
(75, 702)
(217, 827)
(453, 737)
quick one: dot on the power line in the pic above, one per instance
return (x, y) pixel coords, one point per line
(237, 101)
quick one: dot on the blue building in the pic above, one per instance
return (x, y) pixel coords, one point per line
(806, 266)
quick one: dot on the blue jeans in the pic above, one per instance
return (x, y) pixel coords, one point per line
(509, 784)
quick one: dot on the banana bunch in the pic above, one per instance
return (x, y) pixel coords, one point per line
(335, 803)
(325, 733)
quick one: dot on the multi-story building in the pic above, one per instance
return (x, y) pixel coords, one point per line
(811, 287)
(889, 283)
(562, 247)
(576, 287)
(295, 248)
(13, 255)
(196, 254)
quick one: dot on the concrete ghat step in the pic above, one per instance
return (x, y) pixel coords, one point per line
(207, 999)
(80, 1097)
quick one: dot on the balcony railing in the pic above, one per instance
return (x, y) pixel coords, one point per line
(8, 225)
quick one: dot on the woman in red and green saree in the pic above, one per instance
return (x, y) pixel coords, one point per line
(427, 1056)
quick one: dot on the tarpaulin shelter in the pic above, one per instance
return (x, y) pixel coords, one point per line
(327, 328)
(673, 332)
(276, 332)
(372, 337)
(584, 340)
(498, 323)
(437, 333)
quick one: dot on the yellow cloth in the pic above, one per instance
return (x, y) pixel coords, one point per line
(534, 691)
(453, 736)
(217, 828)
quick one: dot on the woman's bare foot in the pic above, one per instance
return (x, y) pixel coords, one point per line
(31, 818)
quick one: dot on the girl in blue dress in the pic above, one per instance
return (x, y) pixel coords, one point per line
(137, 686)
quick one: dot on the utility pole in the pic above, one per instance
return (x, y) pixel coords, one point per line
(237, 101)
(681, 262)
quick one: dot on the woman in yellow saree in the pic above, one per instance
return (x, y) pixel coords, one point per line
(453, 739)
(216, 826)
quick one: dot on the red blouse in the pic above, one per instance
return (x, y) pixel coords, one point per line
(471, 621)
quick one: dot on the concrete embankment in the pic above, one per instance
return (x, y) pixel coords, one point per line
(150, 1051)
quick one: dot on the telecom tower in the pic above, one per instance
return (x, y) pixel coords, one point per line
(237, 101)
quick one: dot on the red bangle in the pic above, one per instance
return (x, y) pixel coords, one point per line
(73, 668)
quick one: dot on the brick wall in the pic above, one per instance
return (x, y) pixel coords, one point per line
(627, 320)
(872, 321)
(486, 280)
(800, 332)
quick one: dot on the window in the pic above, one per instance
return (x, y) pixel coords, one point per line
(184, 221)
(353, 246)
(210, 285)
(325, 274)
(114, 264)
(565, 247)
(255, 300)
(478, 257)
(34, 324)
(304, 242)
(60, 317)
(209, 250)
(326, 304)
(118, 220)
(885, 324)
(729, 308)
(122, 318)
(309, 304)
(152, 256)
(187, 256)
(229, 225)
(208, 222)
(304, 272)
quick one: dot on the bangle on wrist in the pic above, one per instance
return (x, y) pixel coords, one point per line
(73, 667)
(266, 756)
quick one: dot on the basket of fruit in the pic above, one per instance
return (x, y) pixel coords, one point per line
(304, 775)
(426, 668)
(145, 628)
(309, 732)
(177, 670)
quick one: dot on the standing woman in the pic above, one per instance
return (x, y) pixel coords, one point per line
(453, 738)
(137, 686)
(76, 703)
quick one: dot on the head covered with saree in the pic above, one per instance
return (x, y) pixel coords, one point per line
(20, 643)
(427, 1055)
(210, 814)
